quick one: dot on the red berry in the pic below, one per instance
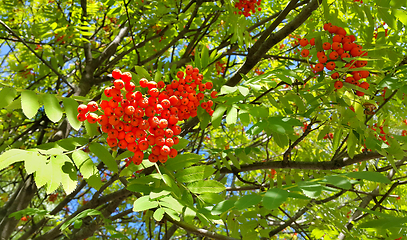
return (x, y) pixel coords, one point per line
(143, 144)
(83, 109)
(335, 75)
(180, 74)
(129, 86)
(173, 153)
(304, 42)
(151, 84)
(129, 110)
(143, 82)
(163, 123)
(116, 74)
(154, 92)
(81, 117)
(304, 53)
(126, 77)
(165, 150)
(138, 157)
(169, 133)
(360, 94)
(330, 66)
(364, 85)
(323, 59)
(208, 85)
(118, 84)
(338, 84)
(326, 46)
(112, 142)
(153, 158)
(319, 67)
(189, 69)
(169, 142)
(162, 158)
(132, 147)
(130, 138)
(92, 117)
(122, 144)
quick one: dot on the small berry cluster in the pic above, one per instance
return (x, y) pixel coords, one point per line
(382, 134)
(339, 49)
(220, 67)
(135, 121)
(247, 6)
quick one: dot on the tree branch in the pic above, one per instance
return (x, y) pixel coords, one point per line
(328, 165)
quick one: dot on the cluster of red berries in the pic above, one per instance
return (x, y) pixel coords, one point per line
(329, 136)
(338, 50)
(247, 6)
(135, 121)
(220, 67)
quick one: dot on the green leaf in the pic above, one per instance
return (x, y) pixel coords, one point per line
(95, 181)
(311, 189)
(7, 95)
(193, 174)
(274, 197)
(68, 183)
(223, 206)
(352, 142)
(142, 72)
(158, 194)
(144, 203)
(124, 155)
(226, 89)
(159, 214)
(182, 160)
(248, 201)
(197, 61)
(29, 103)
(55, 175)
(41, 171)
(337, 138)
(234, 160)
(386, 16)
(231, 116)
(204, 58)
(85, 164)
(370, 176)
(71, 106)
(158, 76)
(243, 90)
(33, 162)
(103, 154)
(52, 107)
(385, 223)
(280, 139)
(173, 214)
(172, 203)
(208, 186)
(28, 211)
(204, 118)
(13, 155)
(217, 115)
(85, 213)
(91, 129)
(338, 181)
(401, 15)
(182, 144)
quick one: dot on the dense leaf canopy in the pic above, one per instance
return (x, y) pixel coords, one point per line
(290, 151)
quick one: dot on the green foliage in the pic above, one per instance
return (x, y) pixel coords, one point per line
(282, 143)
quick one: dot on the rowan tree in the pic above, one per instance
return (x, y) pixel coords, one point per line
(303, 136)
